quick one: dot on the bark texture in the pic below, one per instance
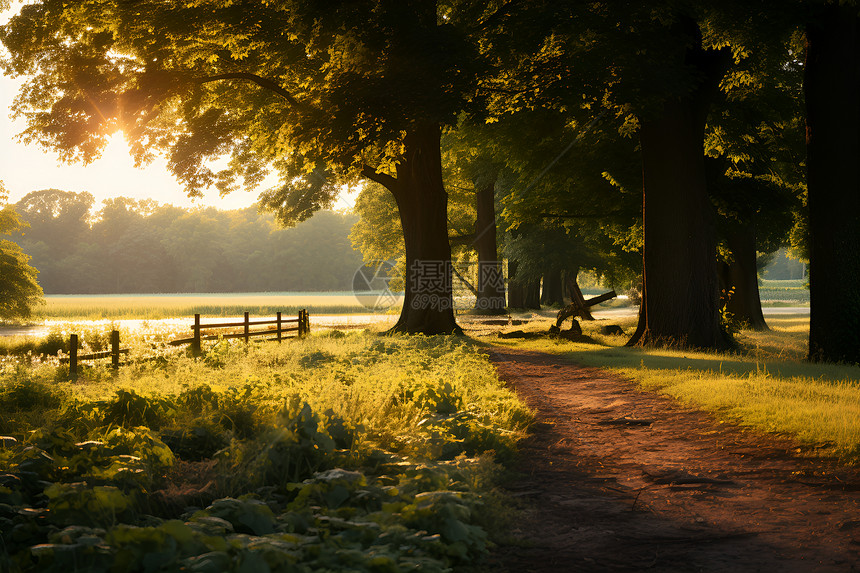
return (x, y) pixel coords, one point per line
(428, 305)
(832, 90)
(680, 298)
(532, 294)
(522, 293)
(491, 281)
(552, 292)
(739, 278)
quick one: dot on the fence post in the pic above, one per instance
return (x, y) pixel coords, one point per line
(195, 344)
(304, 323)
(73, 357)
(279, 327)
(114, 349)
(247, 327)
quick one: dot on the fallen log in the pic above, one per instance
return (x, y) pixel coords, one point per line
(577, 308)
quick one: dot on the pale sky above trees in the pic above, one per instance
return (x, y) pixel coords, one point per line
(26, 168)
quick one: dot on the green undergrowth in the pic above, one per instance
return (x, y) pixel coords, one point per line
(333, 453)
(765, 384)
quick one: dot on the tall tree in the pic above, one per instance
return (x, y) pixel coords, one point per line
(755, 152)
(832, 91)
(57, 224)
(473, 171)
(323, 92)
(680, 302)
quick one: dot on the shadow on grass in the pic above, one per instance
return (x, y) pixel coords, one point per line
(608, 352)
(727, 364)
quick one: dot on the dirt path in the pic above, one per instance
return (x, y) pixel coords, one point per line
(614, 479)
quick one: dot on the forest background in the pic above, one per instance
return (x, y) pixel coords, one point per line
(133, 246)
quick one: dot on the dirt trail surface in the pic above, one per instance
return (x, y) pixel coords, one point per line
(616, 479)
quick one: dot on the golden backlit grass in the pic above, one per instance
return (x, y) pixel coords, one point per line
(766, 384)
(158, 306)
(384, 384)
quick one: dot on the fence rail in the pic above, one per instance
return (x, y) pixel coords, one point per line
(301, 328)
(74, 357)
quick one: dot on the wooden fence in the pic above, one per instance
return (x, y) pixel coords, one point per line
(74, 357)
(283, 326)
(302, 327)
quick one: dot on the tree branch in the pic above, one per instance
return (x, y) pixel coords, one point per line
(259, 80)
(383, 179)
(464, 281)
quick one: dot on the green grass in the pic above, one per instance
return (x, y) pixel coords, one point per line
(158, 306)
(766, 385)
(784, 293)
(791, 283)
(336, 452)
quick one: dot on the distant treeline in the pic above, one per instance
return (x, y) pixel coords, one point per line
(131, 246)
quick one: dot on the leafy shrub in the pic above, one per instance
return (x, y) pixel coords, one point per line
(439, 398)
(198, 398)
(317, 358)
(237, 411)
(349, 472)
(245, 515)
(26, 393)
(293, 449)
(52, 344)
(129, 409)
(76, 503)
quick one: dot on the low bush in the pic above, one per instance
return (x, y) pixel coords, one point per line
(353, 453)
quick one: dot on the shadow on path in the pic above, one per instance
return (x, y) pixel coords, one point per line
(614, 479)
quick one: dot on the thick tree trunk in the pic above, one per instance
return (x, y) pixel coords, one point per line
(516, 290)
(552, 292)
(739, 279)
(491, 280)
(522, 293)
(680, 295)
(428, 305)
(832, 90)
(531, 299)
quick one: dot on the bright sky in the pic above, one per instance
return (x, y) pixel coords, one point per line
(25, 168)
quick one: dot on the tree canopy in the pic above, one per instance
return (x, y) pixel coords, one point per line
(19, 290)
(291, 86)
(704, 97)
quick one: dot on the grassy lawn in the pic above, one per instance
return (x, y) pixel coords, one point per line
(336, 452)
(766, 384)
(784, 293)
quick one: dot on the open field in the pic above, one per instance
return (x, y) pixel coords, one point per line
(336, 452)
(158, 306)
(788, 292)
(765, 384)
